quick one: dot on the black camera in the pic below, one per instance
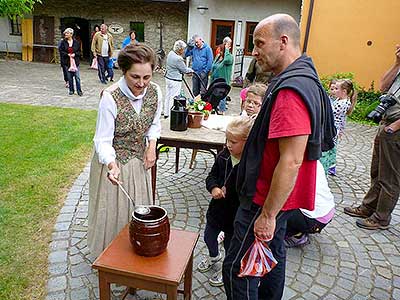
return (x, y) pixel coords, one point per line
(387, 100)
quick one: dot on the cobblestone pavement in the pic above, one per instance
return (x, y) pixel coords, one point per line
(344, 262)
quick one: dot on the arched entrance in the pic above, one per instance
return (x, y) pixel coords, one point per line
(82, 31)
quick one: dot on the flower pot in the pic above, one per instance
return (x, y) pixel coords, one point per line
(194, 119)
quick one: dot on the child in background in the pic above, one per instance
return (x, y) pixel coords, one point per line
(254, 98)
(221, 182)
(243, 94)
(110, 69)
(332, 89)
(346, 99)
(304, 222)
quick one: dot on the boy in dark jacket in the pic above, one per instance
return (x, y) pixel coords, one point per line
(220, 182)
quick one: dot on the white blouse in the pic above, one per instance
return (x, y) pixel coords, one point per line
(107, 113)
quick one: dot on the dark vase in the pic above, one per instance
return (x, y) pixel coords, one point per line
(179, 114)
(149, 234)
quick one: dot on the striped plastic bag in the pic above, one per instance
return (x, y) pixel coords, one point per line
(258, 260)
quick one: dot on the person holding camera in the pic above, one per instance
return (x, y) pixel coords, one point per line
(202, 59)
(379, 202)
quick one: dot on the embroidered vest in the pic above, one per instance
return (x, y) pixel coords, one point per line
(131, 127)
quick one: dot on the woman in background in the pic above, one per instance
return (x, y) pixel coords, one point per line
(222, 67)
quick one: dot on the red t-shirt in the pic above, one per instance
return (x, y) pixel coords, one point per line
(289, 117)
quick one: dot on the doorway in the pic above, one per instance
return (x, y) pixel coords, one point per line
(219, 30)
(43, 38)
(82, 32)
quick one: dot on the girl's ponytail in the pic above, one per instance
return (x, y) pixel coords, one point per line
(347, 84)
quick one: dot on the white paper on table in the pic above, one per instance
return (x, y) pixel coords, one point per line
(217, 122)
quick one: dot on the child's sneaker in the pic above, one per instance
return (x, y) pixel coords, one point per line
(332, 171)
(296, 241)
(208, 262)
(216, 279)
(221, 237)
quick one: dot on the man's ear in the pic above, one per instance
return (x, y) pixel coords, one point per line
(284, 41)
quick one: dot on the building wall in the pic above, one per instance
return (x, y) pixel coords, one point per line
(172, 15)
(236, 10)
(338, 37)
(13, 42)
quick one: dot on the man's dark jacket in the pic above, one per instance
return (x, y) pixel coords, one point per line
(301, 77)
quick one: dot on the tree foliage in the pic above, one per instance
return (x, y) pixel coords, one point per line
(12, 8)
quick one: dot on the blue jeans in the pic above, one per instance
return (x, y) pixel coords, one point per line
(102, 65)
(222, 105)
(71, 76)
(196, 84)
(253, 288)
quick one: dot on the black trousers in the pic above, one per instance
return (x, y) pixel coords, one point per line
(245, 288)
(102, 64)
(299, 223)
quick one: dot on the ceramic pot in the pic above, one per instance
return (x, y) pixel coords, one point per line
(149, 234)
(194, 119)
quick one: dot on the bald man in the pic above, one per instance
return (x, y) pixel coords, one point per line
(277, 170)
(102, 48)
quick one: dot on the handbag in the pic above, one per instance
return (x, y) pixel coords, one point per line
(258, 260)
(72, 64)
(94, 63)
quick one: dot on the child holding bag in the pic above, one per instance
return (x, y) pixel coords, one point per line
(220, 182)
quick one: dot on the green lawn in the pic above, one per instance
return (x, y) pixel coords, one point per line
(42, 150)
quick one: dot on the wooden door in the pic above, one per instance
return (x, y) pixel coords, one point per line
(219, 30)
(43, 38)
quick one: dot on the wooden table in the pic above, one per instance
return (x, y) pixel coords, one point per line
(202, 138)
(119, 264)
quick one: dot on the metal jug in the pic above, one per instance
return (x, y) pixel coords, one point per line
(179, 114)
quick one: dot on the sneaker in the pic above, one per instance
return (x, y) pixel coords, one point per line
(296, 241)
(371, 224)
(216, 279)
(221, 237)
(71, 93)
(358, 211)
(332, 171)
(80, 93)
(208, 262)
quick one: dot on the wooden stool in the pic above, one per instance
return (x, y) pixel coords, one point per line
(120, 264)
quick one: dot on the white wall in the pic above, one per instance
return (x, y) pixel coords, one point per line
(236, 10)
(13, 42)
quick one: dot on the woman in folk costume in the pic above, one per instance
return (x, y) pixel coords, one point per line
(128, 125)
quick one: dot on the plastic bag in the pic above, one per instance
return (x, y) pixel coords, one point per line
(94, 63)
(72, 64)
(258, 260)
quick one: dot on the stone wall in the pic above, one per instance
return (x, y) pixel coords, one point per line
(174, 17)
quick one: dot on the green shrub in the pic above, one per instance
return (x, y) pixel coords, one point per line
(367, 100)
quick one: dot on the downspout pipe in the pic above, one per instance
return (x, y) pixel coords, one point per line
(308, 26)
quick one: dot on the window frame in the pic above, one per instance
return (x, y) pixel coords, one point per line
(15, 26)
(249, 35)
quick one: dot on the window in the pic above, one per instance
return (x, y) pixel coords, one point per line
(248, 47)
(139, 29)
(15, 26)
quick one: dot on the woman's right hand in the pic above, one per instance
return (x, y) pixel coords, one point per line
(113, 173)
